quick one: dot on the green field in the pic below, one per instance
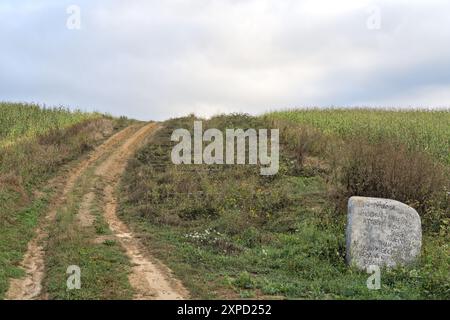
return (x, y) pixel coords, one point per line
(425, 130)
(225, 230)
(20, 121)
(228, 232)
(36, 144)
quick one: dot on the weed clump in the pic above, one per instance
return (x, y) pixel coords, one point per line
(389, 169)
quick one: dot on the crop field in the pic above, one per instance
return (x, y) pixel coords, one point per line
(21, 121)
(425, 130)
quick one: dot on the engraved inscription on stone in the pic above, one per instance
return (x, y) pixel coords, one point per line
(382, 232)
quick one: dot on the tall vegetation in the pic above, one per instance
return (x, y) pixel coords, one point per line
(19, 120)
(35, 143)
(427, 131)
(373, 165)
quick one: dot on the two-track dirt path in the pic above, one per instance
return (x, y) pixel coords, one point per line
(149, 278)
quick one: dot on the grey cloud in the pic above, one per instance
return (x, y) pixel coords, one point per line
(158, 59)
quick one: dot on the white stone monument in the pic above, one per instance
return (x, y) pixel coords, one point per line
(382, 232)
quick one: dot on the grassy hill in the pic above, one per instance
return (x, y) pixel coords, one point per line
(226, 230)
(229, 232)
(36, 144)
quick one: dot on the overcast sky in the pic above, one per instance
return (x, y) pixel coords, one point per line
(160, 59)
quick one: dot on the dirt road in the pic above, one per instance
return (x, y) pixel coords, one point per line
(148, 278)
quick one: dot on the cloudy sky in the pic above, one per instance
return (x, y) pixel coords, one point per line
(158, 59)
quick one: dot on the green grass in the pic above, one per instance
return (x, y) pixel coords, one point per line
(36, 145)
(103, 264)
(426, 130)
(307, 264)
(226, 232)
(42, 140)
(21, 121)
(14, 238)
(230, 233)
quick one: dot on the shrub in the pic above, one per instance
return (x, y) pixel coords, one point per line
(300, 141)
(389, 170)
